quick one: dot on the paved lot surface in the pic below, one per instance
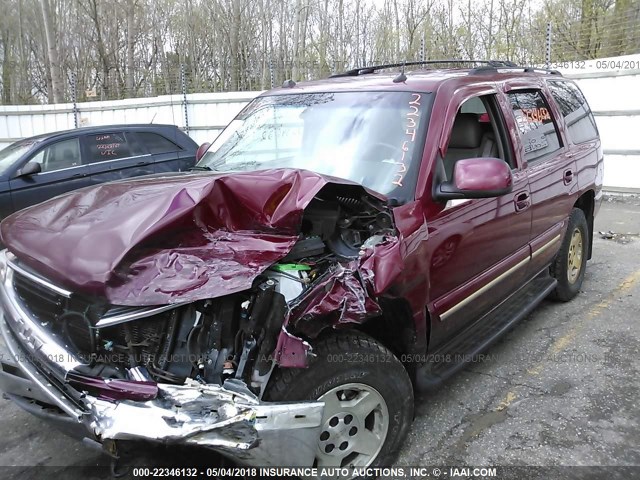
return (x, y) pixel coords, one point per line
(560, 389)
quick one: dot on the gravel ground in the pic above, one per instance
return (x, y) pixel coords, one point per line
(561, 388)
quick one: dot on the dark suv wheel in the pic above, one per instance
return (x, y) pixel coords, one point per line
(368, 400)
(570, 263)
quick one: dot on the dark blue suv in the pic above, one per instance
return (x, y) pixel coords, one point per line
(38, 168)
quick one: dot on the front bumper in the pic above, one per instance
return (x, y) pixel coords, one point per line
(228, 418)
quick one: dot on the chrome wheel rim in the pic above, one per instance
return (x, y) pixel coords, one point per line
(574, 264)
(354, 426)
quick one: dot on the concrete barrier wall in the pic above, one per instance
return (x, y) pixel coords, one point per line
(207, 114)
(614, 98)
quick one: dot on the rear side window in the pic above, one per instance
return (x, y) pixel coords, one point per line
(575, 110)
(157, 143)
(537, 129)
(108, 146)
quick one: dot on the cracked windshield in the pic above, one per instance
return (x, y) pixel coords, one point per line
(368, 137)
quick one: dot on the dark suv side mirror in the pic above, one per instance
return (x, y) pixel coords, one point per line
(477, 178)
(29, 169)
(201, 151)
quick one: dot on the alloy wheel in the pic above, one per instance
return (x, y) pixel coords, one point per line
(354, 426)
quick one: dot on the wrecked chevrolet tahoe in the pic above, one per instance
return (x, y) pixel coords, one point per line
(341, 244)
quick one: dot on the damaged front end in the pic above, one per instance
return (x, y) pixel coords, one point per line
(194, 369)
(113, 402)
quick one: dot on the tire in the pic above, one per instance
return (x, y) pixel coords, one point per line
(569, 266)
(368, 395)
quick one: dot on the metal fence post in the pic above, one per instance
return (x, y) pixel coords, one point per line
(271, 72)
(422, 49)
(74, 99)
(183, 80)
(548, 50)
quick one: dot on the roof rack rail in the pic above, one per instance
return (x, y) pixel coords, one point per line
(494, 69)
(373, 68)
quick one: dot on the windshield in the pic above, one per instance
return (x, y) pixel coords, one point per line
(372, 138)
(9, 155)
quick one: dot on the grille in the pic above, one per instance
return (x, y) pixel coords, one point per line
(44, 304)
(72, 321)
(66, 318)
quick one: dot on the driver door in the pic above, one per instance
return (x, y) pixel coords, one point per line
(479, 247)
(61, 171)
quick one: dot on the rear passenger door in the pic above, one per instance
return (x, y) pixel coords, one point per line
(115, 156)
(551, 170)
(165, 152)
(62, 170)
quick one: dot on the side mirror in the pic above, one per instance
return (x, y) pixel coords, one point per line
(201, 151)
(29, 169)
(477, 178)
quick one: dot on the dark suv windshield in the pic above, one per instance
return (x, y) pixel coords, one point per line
(372, 138)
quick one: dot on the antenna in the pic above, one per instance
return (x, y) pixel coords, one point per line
(401, 77)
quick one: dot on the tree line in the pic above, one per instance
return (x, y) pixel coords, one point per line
(51, 50)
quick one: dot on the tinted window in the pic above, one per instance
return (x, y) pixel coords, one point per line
(157, 143)
(535, 124)
(65, 154)
(575, 110)
(108, 146)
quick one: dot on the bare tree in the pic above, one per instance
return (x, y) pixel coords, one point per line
(52, 48)
(138, 47)
(131, 38)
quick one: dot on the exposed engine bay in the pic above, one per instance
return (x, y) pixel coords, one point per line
(229, 337)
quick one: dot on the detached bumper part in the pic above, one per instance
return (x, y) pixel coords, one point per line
(251, 432)
(225, 418)
(211, 416)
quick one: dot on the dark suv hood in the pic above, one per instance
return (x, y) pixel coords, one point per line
(153, 241)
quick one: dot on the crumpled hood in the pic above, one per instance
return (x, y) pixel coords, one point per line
(153, 241)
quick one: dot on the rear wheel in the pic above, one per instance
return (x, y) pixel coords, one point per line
(569, 266)
(368, 400)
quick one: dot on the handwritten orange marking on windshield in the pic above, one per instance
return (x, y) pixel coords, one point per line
(410, 131)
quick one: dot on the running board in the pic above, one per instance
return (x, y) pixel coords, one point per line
(455, 355)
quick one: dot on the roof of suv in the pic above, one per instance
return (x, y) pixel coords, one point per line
(422, 80)
(97, 129)
(183, 139)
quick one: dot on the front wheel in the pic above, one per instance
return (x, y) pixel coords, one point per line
(569, 266)
(368, 400)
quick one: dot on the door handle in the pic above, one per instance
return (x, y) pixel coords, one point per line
(522, 201)
(140, 164)
(567, 177)
(78, 175)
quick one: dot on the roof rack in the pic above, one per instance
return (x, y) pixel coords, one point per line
(494, 69)
(486, 66)
(373, 68)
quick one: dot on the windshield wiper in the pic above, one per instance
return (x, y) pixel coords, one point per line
(199, 168)
(244, 166)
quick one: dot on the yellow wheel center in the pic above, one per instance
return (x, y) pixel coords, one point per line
(574, 263)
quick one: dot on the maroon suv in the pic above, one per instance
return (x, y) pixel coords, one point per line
(342, 243)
